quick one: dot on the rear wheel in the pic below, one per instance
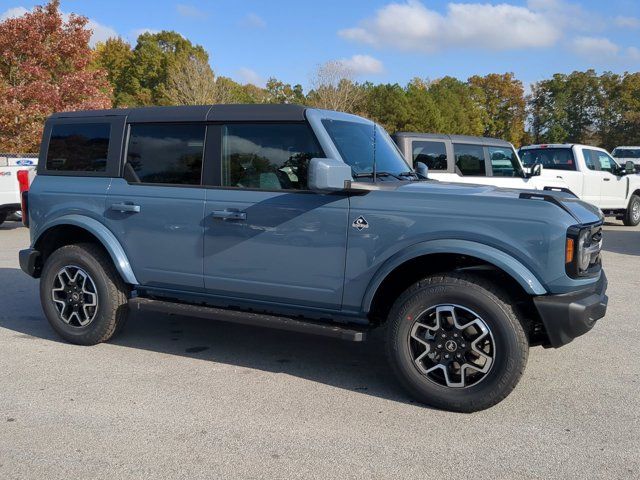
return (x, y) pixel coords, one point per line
(632, 215)
(456, 343)
(3, 217)
(82, 294)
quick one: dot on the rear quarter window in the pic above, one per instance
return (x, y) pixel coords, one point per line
(78, 147)
(432, 153)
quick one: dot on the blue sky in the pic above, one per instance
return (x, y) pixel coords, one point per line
(382, 40)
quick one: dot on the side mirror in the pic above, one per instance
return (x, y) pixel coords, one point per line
(536, 170)
(629, 167)
(422, 169)
(328, 175)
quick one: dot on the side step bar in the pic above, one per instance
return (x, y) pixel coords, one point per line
(326, 329)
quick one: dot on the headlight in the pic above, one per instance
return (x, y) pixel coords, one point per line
(582, 254)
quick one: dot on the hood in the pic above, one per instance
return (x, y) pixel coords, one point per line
(582, 212)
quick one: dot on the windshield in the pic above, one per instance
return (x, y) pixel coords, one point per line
(549, 158)
(626, 153)
(360, 143)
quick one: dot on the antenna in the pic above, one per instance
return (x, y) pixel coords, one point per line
(375, 179)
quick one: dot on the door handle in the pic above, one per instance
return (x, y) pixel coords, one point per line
(229, 214)
(606, 179)
(125, 207)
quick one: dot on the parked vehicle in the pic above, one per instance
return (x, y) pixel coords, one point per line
(467, 159)
(627, 154)
(15, 176)
(591, 174)
(307, 220)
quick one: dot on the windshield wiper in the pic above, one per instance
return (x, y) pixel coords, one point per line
(409, 174)
(378, 174)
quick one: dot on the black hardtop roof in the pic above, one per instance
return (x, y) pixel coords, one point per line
(454, 138)
(195, 113)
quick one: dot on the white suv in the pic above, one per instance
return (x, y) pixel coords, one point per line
(591, 174)
(15, 176)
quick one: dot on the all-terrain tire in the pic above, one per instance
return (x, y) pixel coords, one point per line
(631, 216)
(493, 306)
(3, 217)
(111, 291)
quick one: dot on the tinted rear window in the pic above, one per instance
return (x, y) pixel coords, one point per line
(165, 153)
(551, 158)
(79, 147)
(432, 154)
(469, 159)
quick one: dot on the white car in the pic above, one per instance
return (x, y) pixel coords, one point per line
(591, 174)
(627, 154)
(467, 159)
(13, 183)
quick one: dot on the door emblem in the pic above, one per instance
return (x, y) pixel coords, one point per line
(360, 223)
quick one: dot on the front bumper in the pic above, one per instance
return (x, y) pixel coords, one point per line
(570, 315)
(29, 262)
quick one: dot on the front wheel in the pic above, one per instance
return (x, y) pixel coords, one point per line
(82, 294)
(456, 343)
(632, 214)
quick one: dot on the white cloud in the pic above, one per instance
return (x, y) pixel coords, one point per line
(363, 65)
(190, 11)
(254, 21)
(13, 13)
(250, 76)
(594, 48)
(412, 26)
(633, 54)
(627, 22)
(100, 33)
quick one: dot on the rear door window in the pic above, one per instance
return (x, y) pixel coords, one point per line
(550, 158)
(78, 147)
(432, 153)
(470, 159)
(165, 153)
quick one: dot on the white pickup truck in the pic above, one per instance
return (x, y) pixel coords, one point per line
(467, 159)
(591, 174)
(13, 183)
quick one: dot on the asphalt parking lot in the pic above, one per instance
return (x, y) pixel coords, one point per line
(188, 398)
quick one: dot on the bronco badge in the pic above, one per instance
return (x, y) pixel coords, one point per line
(360, 223)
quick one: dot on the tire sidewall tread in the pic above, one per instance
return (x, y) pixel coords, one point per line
(494, 306)
(112, 293)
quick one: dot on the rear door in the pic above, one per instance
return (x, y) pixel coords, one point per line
(267, 237)
(155, 209)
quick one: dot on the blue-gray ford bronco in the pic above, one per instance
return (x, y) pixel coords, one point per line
(312, 221)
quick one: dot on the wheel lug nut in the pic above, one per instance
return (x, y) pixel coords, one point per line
(446, 356)
(455, 334)
(439, 345)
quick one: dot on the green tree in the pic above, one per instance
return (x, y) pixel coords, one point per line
(388, 105)
(459, 111)
(154, 57)
(502, 99)
(424, 115)
(115, 56)
(280, 92)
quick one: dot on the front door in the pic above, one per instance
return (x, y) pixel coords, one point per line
(156, 210)
(267, 237)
